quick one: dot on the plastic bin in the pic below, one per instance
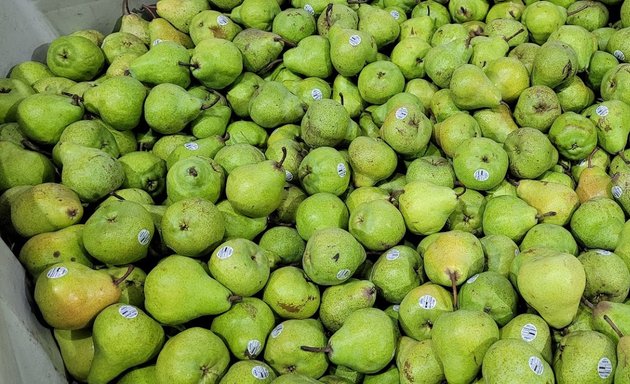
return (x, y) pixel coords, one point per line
(28, 352)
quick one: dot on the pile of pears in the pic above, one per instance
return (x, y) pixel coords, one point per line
(304, 191)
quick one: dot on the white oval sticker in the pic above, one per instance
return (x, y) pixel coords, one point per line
(253, 347)
(309, 8)
(602, 110)
(57, 272)
(396, 307)
(529, 332)
(354, 40)
(260, 372)
(617, 191)
(317, 94)
(604, 368)
(341, 169)
(472, 279)
(222, 20)
(481, 175)
(277, 331)
(392, 255)
(343, 274)
(288, 176)
(536, 365)
(427, 302)
(225, 252)
(128, 312)
(191, 146)
(619, 55)
(603, 252)
(156, 42)
(144, 237)
(395, 14)
(401, 113)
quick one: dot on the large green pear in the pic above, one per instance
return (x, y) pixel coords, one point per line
(118, 101)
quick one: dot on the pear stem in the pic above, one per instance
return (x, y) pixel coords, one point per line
(113, 193)
(508, 38)
(461, 193)
(269, 66)
(587, 303)
(357, 1)
(208, 106)
(615, 176)
(125, 8)
(577, 10)
(150, 10)
(546, 214)
(329, 9)
(622, 155)
(512, 181)
(235, 298)
(613, 326)
(590, 157)
(325, 349)
(341, 98)
(453, 277)
(393, 195)
(225, 137)
(284, 41)
(189, 65)
(284, 157)
(130, 269)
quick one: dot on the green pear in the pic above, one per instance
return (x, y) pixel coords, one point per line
(324, 169)
(294, 24)
(337, 261)
(421, 307)
(242, 91)
(339, 301)
(192, 356)
(211, 23)
(118, 101)
(378, 225)
(510, 360)
(454, 130)
(248, 371)
(169, 108)
(530, 153)
(75, 57)
(245, 327)
(555, 63)
(118, 44)
(549, 197)
(90, 172)
(585, 356)
(366, 342)
(77, 351)
(180, 13)
(160, 30)
(192, 227)
(238, 225)
(60, 111)
(499, 251)
(88, 133)
(441, 61)
(542, 19)
(273, 105)
(132, 285)
(301, 301)
(256, 13)
(408, 55)
(591, 217)
(417, 204)
(160, 65)
(118, 233)
(533, 330)
(469, 212)
(13, 92)
(496, 123)
(283, 245)
(537, 107)
(283, 351)
(258, 48)
(19, 166)
(563, 287)
(609, 117)
(491, 293)
(141, 339)
(318, 211)
(142, 375)
(365, 153)
(613, 83)
(606, 277)
(396, 272)
(351, 50)
(420, 363)
(195, 176)
(145, 171)
(211, 71)
(30, 71)
(407, 130)
(551, 236)
(233, 156)
(44, 208)
(240, 265)
(70, 295)
(601, 62)
(325, 123)
(460, 340)
(178, 290)
(509, 75)
(379, 23)
(480, 163)
(522, 217)
(310, 58)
